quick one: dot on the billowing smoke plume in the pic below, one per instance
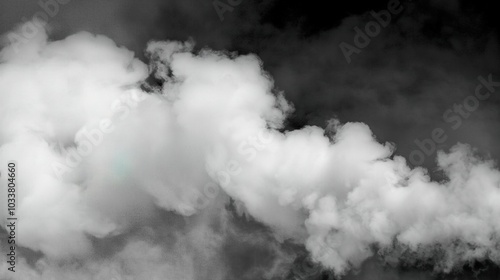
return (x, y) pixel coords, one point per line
(99, 152)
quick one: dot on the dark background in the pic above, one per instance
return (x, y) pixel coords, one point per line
(424, 62)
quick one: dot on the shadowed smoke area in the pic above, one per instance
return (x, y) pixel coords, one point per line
(288, 164)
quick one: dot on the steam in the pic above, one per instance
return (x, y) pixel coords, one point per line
(99, 154)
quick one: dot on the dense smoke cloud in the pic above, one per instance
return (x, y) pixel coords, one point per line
(102, 155)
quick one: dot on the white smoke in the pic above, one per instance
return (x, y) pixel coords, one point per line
(97, 156)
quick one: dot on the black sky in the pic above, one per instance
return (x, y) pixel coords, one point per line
(424, 62)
